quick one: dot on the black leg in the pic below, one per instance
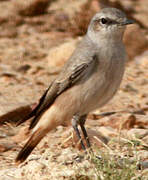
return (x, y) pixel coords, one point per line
(82, 122)
(75, 121)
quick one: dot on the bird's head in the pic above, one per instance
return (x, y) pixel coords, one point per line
(108, 23)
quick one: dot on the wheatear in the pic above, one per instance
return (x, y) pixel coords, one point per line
(88, 80)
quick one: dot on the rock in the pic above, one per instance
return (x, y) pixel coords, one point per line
(31, 7)
(145, 139)
(71, 8)
(13, 112)
(141, 12)
(8, 32)
(59, 55)
(130, 122)
(24, 68)
(136, 132)
(143, 165)
(6, 11)
(8, 20)
(143, 156)
(6, 146)
(142, 59)
(135, 41)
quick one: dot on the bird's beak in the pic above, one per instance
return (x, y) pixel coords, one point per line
(127, 21)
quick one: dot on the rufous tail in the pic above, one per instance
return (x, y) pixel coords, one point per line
(30, 145)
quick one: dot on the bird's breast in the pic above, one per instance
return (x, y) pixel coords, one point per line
(102, 85)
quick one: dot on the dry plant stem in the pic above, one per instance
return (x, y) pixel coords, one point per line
(107, 147)
(114, 112)
(119, 131)
(67, 139)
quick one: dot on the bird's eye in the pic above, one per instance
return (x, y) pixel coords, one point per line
(103, 20)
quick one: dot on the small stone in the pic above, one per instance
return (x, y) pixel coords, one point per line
(143, 165)
(59, 55)
(31, 7)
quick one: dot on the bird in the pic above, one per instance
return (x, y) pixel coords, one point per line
(87, 81)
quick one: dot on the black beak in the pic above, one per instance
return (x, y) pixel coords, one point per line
(128, 21)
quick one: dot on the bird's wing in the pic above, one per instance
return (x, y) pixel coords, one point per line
(59, 86)
(66, 79)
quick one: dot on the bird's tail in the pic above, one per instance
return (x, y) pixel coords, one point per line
(34, 111)
(30, 145)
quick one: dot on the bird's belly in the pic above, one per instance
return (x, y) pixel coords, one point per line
(100, 91)
(98, 99)
(106, 94)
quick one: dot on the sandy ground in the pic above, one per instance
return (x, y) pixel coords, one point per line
(36, 39)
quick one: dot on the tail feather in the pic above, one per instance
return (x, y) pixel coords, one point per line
(35, 110)
(34, 121)
(30, 145)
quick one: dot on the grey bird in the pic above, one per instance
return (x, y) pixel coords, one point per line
(88, 80)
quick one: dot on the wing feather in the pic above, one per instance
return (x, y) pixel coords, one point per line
(55, 89)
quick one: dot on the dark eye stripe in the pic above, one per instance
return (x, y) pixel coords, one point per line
(112, 22)
(109, 21)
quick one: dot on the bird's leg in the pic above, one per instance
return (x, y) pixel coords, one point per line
(75, 122)
(82, 122)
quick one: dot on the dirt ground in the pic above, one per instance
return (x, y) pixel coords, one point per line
(36, 39)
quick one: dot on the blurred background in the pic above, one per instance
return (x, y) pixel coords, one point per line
(36, 39)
